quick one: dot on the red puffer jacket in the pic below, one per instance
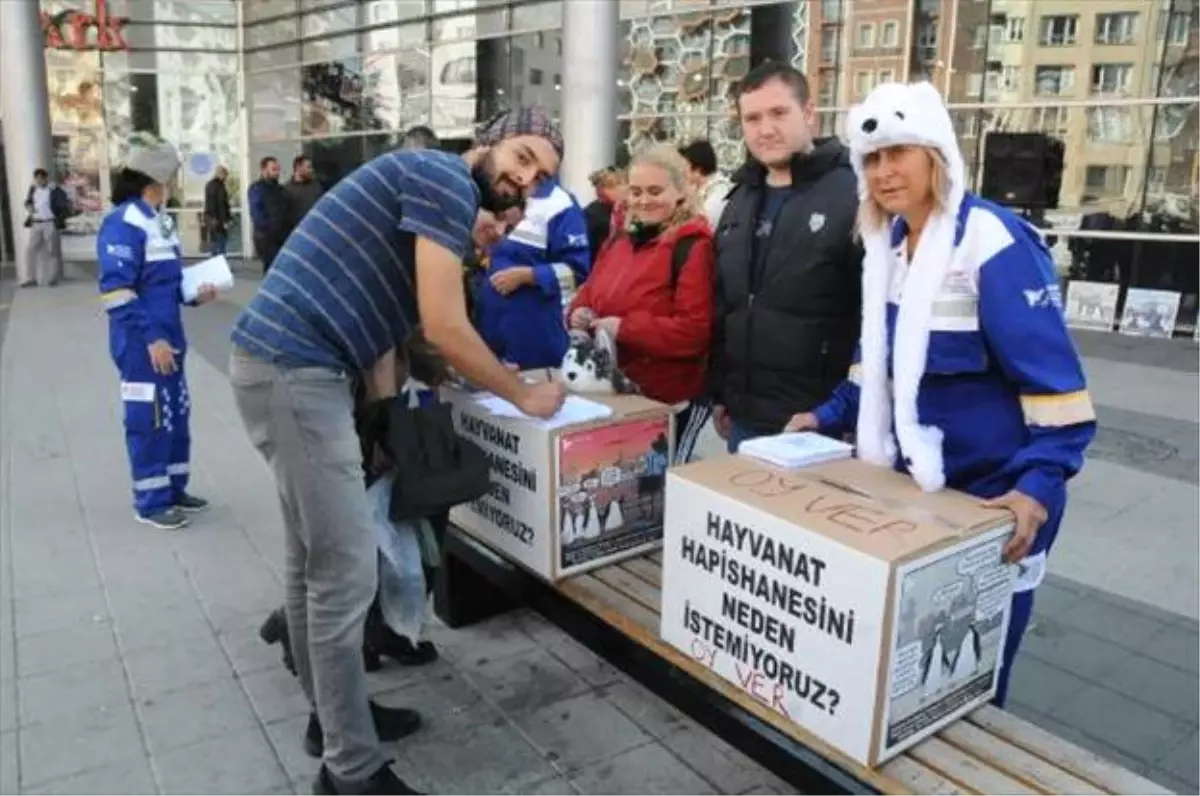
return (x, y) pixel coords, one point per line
(662, 343)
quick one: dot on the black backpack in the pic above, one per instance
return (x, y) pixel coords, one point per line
(435, 468)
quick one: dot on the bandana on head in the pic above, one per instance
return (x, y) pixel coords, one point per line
(522, 121)
(895, 114)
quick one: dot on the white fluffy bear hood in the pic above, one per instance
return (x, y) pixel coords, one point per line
(896, 114)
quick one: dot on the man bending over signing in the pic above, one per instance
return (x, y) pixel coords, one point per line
(377, 255)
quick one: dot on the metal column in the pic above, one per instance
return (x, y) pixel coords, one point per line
(26, 108)
(591, 41)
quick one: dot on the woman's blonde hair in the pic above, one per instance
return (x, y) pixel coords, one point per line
(871, 215)
(675, 166)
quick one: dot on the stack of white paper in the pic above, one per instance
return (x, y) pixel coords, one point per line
(796, 449)
(213, 271)
(574, 410)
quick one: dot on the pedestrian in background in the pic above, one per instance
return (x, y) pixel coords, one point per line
(302, 191)
(268, 212)
(217, 214)
(48, 207)
(711, 186)
(141, 271)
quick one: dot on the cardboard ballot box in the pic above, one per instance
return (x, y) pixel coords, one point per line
(568, 499)
(841, 596)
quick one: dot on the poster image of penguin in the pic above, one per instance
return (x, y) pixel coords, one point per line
(610, 488)
(949, 628)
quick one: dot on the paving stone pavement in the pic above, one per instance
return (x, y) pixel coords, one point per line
(129, 659)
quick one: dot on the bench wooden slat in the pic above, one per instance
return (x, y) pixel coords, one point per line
(918, 778)
(1035, 771)
(630, 617)
(646, 570)
(635, 621)
(632, 587)
(968, 771)
(1064, 754)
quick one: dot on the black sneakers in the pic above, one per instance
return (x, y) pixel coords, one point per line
(190, 503)
(391, 724)
(383, 781)
(171, 519)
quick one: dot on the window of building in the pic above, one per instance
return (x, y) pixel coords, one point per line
(889, 34)
(974, 84)
(1175, 28)
(1110, 125)
(1054, 81)
(863, 83)
(536, 77)
(886, 76)
(829, 45)
(979, 37)
(866, 36)
(927, 41)
(1010, 78)
(1112, 78)
(967, 125)
(1059, 30)
(1052, 121)
(827, 91)
(831, 11)
(1106, 180)
(1156, 180)
(1117, 28)
(1014, 29)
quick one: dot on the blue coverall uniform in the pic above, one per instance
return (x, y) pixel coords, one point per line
(141, 272)
(1003, 382)
(526, 327)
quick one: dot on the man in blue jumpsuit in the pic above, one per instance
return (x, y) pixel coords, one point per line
(140, 285)
(532, 275)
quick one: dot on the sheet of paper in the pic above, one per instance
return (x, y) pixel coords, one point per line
(213, 271)
(574, 410)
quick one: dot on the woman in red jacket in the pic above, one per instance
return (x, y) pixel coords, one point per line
(660, 315)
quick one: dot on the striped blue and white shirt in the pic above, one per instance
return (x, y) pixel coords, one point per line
(342, 291)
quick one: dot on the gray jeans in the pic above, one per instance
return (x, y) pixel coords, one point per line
(301, 420)
(43, 255)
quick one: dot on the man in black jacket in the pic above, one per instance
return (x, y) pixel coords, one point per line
(217, 215)
(302, 191)
(788, 292)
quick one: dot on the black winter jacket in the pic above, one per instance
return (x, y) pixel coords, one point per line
(784, 339)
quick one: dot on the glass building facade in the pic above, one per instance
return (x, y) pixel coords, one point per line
(339, 80)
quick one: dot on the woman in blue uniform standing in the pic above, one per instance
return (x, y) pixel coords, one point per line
(140, 285)
(966, 375)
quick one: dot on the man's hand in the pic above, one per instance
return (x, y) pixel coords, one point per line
(722, 422)
(205, 294)
(510, 279)
(581, 319)
(611, 325)
(802, 421)
(1030, 516)
(542, 400)
(162, 357)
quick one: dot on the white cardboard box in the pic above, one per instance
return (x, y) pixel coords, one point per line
(858, 608)
(566, 500)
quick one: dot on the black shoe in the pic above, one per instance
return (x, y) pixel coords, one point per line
(275, 631)
(171, 519)
(383, 781)
(391, 724)
(381, 640)
(190, 503)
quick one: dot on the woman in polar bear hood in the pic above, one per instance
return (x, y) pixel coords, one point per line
(966, 375)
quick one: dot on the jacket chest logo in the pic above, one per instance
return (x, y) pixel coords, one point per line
(816, 222)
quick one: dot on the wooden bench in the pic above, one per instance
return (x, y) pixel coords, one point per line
(615, 612)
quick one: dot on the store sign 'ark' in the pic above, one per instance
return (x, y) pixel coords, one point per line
(73, 30)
